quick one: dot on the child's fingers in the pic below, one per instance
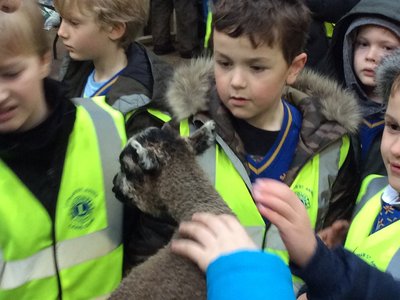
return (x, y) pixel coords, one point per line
(217, 224)
(274, 217)
(278, 206)
(189, 249)
(196, 231)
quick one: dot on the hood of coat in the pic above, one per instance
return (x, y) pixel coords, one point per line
(385, 13)
(192, 91)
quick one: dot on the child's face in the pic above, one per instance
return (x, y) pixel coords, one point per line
(22, 102)
(83, 37)
(390, 145)
(372, 43)
(250, 81)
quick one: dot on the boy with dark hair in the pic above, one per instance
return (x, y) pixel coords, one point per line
(368, 265)
(271, 121)
(106, 60)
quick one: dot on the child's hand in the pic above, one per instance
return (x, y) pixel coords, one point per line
(280, 205)
(209, 236)
(335, 234)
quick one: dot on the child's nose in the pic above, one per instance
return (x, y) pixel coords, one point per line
(373, 54)
(395, 148)
(62, 32)
(238, 79)
(4, 92)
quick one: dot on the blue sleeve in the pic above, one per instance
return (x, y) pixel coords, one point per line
(340, 274)
(249, 275)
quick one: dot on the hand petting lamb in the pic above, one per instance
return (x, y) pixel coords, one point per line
(160, 175)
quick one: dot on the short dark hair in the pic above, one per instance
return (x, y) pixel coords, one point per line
(274, 22)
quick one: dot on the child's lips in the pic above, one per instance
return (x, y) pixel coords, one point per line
(6, 113)
(395, 168)
(238, 100)
(369, 72)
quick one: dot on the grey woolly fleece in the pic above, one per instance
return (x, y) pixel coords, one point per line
(386, 73)
(193, 86)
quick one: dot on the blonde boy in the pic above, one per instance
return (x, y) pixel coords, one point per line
(105, 59)
(60, 225)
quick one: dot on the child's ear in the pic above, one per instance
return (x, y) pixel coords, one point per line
(295, 68)
(117, 31)
(45, 64)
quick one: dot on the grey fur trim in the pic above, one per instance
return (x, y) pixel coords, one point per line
(187, 93)
(386, 73)
(337, 104)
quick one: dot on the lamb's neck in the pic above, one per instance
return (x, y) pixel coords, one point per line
(204, 201)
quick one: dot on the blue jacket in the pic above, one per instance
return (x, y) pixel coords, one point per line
(249, 275)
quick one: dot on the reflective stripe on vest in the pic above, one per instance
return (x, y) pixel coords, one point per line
(232, 182)
(129, 104)
(88, 219)
(382, 248)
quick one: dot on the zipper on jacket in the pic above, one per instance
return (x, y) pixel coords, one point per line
(53, 233)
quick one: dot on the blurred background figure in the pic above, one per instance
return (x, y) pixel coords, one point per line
(325, 13)
(187, 20)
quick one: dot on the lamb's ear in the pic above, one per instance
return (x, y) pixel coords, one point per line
(203, 137)
(146, 159)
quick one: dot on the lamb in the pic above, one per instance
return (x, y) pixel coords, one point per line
(159, 174)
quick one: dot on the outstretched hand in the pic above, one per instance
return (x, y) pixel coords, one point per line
(209, 236)
(281, 206)
(335, 234)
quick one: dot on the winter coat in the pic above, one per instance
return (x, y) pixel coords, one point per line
(143, 80)
(340, 274)
(329, 113)
(338, 64)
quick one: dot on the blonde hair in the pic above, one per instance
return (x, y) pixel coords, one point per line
(22, 33)
(132, 13)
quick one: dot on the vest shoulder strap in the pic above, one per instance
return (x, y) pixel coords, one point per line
(375, 184)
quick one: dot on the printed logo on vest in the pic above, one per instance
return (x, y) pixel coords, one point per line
(81, 206)
(304, 194)
(367, 258)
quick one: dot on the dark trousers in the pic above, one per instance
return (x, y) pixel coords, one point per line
(186, 12)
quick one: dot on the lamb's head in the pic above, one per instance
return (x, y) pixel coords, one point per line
(156, 164)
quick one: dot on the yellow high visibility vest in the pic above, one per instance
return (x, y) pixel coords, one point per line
(382, 248)
(312, 185)
(79, 255)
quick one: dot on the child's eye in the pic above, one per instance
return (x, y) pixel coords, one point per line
(11, 75)
(361, 44)
(392, 126)
(223, 63)
(389, 48)
(257, 68)
(72, 22)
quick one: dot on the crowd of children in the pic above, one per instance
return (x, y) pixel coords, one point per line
(295, 151)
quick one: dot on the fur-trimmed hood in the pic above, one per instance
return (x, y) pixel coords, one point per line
(192, 87)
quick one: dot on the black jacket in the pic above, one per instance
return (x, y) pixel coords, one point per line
(340, 274)
(37, 155)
